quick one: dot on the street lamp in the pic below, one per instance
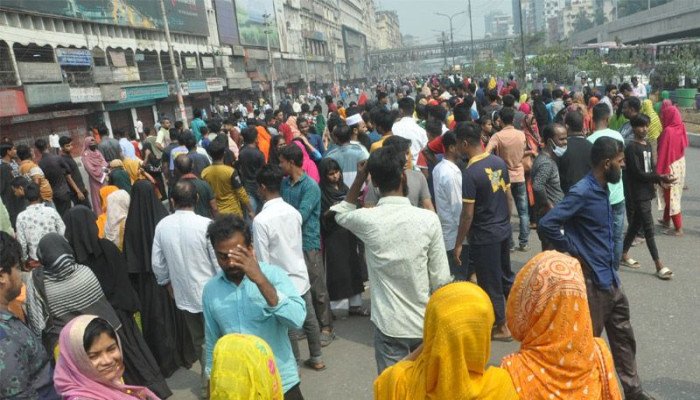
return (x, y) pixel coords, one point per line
(452, 37)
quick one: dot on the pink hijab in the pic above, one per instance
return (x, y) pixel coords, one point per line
(673, 139)
(308, 166)
(93, 161)
(292, 123)
(525, 108)
(75, 378)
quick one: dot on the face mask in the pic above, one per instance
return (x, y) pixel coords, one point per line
(559, 151)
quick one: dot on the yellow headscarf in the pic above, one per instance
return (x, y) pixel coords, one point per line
(547, 312)
(133, 168)
(492, 83)
(655, 127)
(244, 369)
(456, 347)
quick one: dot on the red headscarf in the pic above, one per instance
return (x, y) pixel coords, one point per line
(673, 139)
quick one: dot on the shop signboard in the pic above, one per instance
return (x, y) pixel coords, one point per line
(85, 95)
(197, 86)
(46, 94)
(74, 57)
(215, 84)
(12, 103)
(144, 92)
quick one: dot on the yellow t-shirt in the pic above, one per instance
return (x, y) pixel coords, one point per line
(30, 169)
(231, 197)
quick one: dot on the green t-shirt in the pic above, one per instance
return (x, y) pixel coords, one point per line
(617, 190)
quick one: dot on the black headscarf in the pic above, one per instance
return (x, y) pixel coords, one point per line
(82, 233)
(145, 211)
(56, 256)
(330, 194)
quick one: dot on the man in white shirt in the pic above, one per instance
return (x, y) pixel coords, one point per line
(405, 253)
(183, 260)
(163, 136)
(447, 184)
(638, 89)
(277, 241)
(407, 128)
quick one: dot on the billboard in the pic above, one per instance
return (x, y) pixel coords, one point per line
(226, 21)
(251, 23)
(187, 16)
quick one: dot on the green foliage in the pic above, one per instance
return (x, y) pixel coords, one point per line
(553, 64)
(680, 63)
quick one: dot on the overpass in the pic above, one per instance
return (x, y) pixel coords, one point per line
(437, 50)
(673, 20)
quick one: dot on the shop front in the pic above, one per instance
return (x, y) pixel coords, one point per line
(136, 102)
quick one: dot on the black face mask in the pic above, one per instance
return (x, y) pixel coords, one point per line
(613, 175)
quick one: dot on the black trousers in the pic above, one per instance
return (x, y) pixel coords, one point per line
(641, 218)
(294, 393)
(62, 203)
(491, 262)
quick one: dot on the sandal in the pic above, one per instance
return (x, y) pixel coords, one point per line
(359, 311)
(664, 274)
(630, 263)
(673, 232)
(316, 366)
(327, 338)
(665, 224)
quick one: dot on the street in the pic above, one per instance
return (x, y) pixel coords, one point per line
(664, 317)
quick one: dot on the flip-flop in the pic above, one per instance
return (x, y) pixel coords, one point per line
(664, 274)
(315, 366)
(630, 263)
(673, 232)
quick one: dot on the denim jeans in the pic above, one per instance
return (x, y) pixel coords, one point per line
(519, 191)
(618, 211)
(390, 350)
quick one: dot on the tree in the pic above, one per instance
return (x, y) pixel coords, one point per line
(553, 64)
(582, 21)
(681, 63)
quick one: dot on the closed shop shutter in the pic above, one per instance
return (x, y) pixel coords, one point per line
(121, 119)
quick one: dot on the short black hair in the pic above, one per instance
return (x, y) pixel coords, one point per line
(342, 133)
(515, 92)
(639, 121)
(462, 112)
(293, 154)
(19, 182)
(574, 120)
(386, 165)
(95, 329)
(24, 152)
(507, 115)
(400, 143)
(492, 95)
(184, 193)
(605, 148)
(433, 128)
(634, 103)
(305, 108)
(179, 125)
(104, 131)
(271, 176)
(625, 87)
(610, 87)
(601, 112)
(41, 144)
(407, 105)
(10, 252)
(183, 164)
(557, 93)
(64, 140)
(5, 148)
(467, 131)
(509, 101)
(250, 135)
(32, 192)
(119, 133)
(197, 113)
(550, 130)
(449, 139)
(188, 140)
(225, 226)
(217, 148)
(382, 118)
(215, 126)
(318, 108)
(437, 112)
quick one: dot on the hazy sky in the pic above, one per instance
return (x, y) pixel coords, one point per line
(417, 17)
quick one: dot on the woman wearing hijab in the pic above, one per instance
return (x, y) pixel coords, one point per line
(244, 368)
(308, 165)
(108, 264)
(539, 109)
(62, 289)
(80, 375)
(671, 160)
(451, 362)
(153, 166)
(163, 325)
(547, 312)
(343, 262)
(117, 209)
(95, 165)
(105, 191)
(118, 176)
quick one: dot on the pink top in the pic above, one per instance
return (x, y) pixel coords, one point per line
(509, 144)
(673, 139)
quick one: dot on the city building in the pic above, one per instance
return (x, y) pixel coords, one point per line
(498, 24)
(388, 33)
(533, 15)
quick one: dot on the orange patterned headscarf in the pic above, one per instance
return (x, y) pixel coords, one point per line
(548, 313)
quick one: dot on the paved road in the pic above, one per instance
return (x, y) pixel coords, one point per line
(665, 316)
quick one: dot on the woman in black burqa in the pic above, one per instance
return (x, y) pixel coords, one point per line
(163, 325)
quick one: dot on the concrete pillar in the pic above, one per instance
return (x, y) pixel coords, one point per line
(134, 118)
(108, 123)
(155, 113)
(13, 59)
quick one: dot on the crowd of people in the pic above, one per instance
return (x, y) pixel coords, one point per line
(230, 242)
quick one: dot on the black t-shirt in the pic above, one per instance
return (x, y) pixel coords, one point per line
(250, 161)
(575, 163)
(484, 183)
(74, 172)
(55, 169)
(640, 172)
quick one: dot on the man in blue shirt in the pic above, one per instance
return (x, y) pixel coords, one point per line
(302, 193)
(197, 124)
(586, 217)
(251, 297)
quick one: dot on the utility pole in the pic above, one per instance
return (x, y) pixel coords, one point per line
(178, 87)
(444, 50)
(268, 32)
(471, 37)
(452, 36)
(522, 41)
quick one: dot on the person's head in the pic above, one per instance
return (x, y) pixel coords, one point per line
(269, 180)
(41, 144)
(227, 233)
(217, 148)
(102, 347)
(515, 92)
(19, 186)
(197, 113)
(508, 101)
(66, 144)
(486, 125)
(435, 92)
(635, 81)
(179, 126)
(342, 133)
(507, 115)
(611, 90)
(608, 158)
(462, 112)
(383, 98)
(305, 108)
(317, 110)
(383, 119)
(555, 136)
(631, 107)
(601, 115)
(291, 159)
(7, 150)
(492, 95)
(401, 144)
(250, 135)
(640, 126)
(386, 165)
(437, 113)
(188, 140)
(32, 193)
(183, 165)
(449, 142)
(433, 128)
(119, 133)
(626, 90)
(407, 106)
(468, 139)
(104, 131)
(557, 93)
(303, 126)
(184, 193)
(10, 277)
(277, 143)
(149, 131)
(574, 122)
(568, 100)
(330, 171)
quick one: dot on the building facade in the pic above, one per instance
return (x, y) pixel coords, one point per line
(498, 24)
(388, 32)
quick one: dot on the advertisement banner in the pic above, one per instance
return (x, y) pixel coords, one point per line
(85, 95)
(74, 57)
(197, 87)
(188, 16)
(215, 84)
(226, 21)
(251, 23)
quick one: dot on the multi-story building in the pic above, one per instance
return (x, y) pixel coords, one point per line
(533, 15)
(498, 24)
(571, 11)
(388, 32)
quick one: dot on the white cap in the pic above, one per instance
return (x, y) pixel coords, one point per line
(353, 119)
